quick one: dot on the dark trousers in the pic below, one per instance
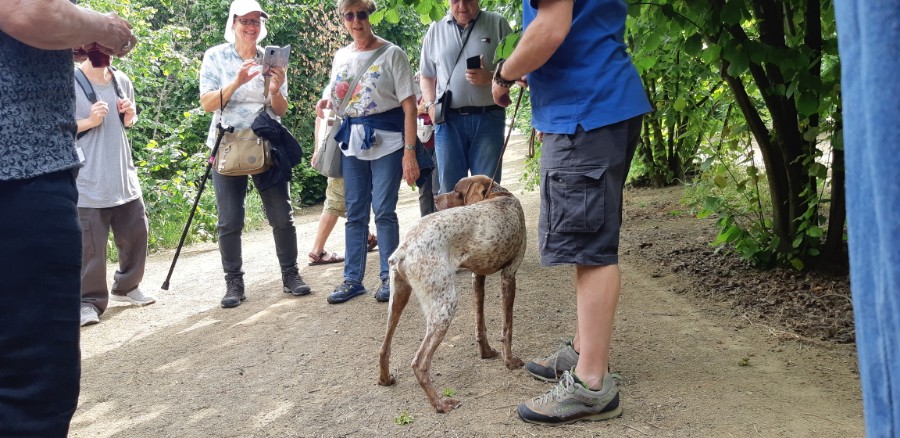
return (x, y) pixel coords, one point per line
(231, 191)
(40, 266)
(129, 226)
(430, 189)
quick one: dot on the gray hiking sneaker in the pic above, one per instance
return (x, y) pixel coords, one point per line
(134, 297)
(570, 401)
(550, 368)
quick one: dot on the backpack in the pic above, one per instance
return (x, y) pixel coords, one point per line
(88, 90)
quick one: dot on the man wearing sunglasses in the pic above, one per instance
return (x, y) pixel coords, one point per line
(457, 61)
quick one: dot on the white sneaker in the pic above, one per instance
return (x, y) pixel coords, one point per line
(89, 315)
(134, 297)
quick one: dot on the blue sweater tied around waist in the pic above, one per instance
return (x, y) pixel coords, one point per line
(392, 121)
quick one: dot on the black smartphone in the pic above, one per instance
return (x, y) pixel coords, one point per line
(473, 62)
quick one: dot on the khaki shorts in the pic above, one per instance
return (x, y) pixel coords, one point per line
(334, 198)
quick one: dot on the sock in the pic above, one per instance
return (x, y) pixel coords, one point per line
(578, 381)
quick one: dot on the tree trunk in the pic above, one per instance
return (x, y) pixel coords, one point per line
(833, 253)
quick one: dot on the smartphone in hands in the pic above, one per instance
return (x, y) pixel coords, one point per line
(473, 62)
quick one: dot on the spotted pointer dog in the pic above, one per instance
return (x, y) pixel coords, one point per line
(480, 227)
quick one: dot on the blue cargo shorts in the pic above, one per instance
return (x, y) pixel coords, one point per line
(582, 178)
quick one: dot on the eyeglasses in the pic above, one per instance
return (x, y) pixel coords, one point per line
(360, 15)
(251, 22)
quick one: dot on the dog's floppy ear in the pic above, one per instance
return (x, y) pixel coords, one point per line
(476, 192)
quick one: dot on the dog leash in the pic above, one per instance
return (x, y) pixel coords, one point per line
(506, 141)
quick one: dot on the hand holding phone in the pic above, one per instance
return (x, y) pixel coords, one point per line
(473, 62)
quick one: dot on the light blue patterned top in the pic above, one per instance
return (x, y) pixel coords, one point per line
(219, 68)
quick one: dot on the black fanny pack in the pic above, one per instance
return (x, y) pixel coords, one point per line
(442, 107)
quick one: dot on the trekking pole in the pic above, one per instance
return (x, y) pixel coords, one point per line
(222, 129)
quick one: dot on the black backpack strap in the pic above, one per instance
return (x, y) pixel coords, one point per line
(88, 90)
(86, 85)
(119, 93)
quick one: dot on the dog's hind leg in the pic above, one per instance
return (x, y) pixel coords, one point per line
(480, 331)
(508, 297)
(400, 291)
(437, 321)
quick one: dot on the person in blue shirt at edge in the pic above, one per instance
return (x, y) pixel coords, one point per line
(589, 141)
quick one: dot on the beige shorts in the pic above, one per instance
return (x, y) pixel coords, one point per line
(334, 198)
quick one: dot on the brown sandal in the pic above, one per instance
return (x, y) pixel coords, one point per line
(324, 258)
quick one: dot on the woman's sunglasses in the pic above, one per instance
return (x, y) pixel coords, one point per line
(251, 22)
(361, 15)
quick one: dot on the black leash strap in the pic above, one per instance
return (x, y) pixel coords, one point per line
(506, 141)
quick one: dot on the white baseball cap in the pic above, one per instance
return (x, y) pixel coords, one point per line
(240, 8)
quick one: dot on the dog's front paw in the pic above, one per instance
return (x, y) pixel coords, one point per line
(514, 363)
(446, 405)
(387, 381)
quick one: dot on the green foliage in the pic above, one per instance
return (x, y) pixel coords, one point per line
(725, 74)
(404, 418)
(731, 188)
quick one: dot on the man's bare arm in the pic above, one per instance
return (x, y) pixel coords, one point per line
(59, 24)
(541, 40)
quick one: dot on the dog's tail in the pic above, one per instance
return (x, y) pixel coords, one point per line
(397, 260)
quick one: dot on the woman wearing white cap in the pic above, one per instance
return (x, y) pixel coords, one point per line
(233, 90)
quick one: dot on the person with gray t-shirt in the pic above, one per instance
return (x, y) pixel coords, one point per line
(471, 135)
(109, 195)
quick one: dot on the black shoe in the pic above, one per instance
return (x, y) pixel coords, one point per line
(384, 292)
(234, 292)
(293, 283)
(346, 292)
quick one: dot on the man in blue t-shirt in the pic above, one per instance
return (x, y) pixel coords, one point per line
(588, 101)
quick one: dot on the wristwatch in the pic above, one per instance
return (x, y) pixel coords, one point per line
(409, 147)
(498, 79)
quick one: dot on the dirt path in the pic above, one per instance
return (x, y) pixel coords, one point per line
(282, 366)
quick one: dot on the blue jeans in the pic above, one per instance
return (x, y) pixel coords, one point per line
(371, 184)
(466, 143)
(40, 284)
(230, 194)
(869, 41)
